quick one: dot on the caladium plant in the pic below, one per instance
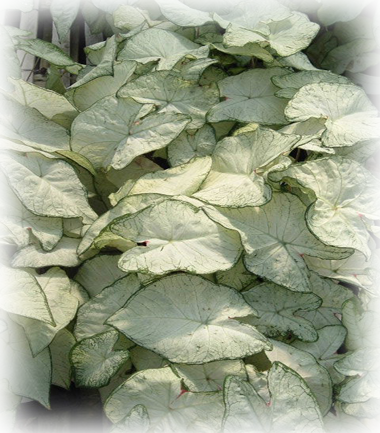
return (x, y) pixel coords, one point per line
(191, 228)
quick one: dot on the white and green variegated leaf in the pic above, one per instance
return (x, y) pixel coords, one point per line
(277, 309)
(164, 46)
(144, 359)
(364, 365)
(25, 125)
(298, 61)
(8, 400)
(210, 376)
(340, 422)
(189, 145)
(99, 272)
(275, 238)
(184, 179)
(21, 294)
(60, 348)
(174, 235)
(10, 65)
(292, 406)
(28, 376)
(17, 224)
(325, 349)
(126, 206)
(291, 83)
(79, 293)
(235, 179)
(303, 363)
(346, 193)
(192, 70)
(88, 93)
(51, 104)
(7, 421)
(127, 17)
(237, 277)
(137, 421)
(64, 14)
(172, 94)
(168, 406)
(61, 192)
(204, 329)
(339, 10)
(333, 297)
(63, 306)
(250, 97)
(350, 115)
(95, 361)
(93, 314)
(34, 256)
(111, 133)
(363, 326)
(183, 15)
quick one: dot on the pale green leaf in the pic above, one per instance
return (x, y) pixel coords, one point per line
(60, 191)
(277, 309)
(350, 115)
(182, 14)
(111, 133)
(168, 407)
(144, 359)
(174, 235)
(250, 97)
(199, 330)
(237, 277)
(60, 348)
(64, 14)
(172, 94)
(95, 361)
(137, 421)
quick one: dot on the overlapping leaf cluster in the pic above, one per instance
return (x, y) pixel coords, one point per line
(191, 225)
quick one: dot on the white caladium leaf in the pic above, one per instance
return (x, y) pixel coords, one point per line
(210, 376)
(250, 97)
(290, 396)
(10, 65)
(88, 93)
(339, 10)
(34, 256)
(126, 206)
(166, 47)
(350, 115)
(345, 193)
(364, 364)
(95, 361)
(93, 314)
(184, 179)
(28, 376)
(63, 307)
(182, 14)
(137, 421)
(237, 277)
(366, 409)
(291, 83)
(235, 179)
(174, 235)
(64, 14)
(79, 292)
(52, 105)
(363, 326)
(340, 422)
(315, 376)
(189, 145)
(275, 237)
(277, 311)
(111, 133)
(144, 359)
(59, 186)
(333, 297)
(298, 61)
(330, 339)
(204, 326)
(21, 294)
(7, 421)
(25, 125)
(172, 94)
(60, 348)
(169, 407)
(99, 272)
(8, 400)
